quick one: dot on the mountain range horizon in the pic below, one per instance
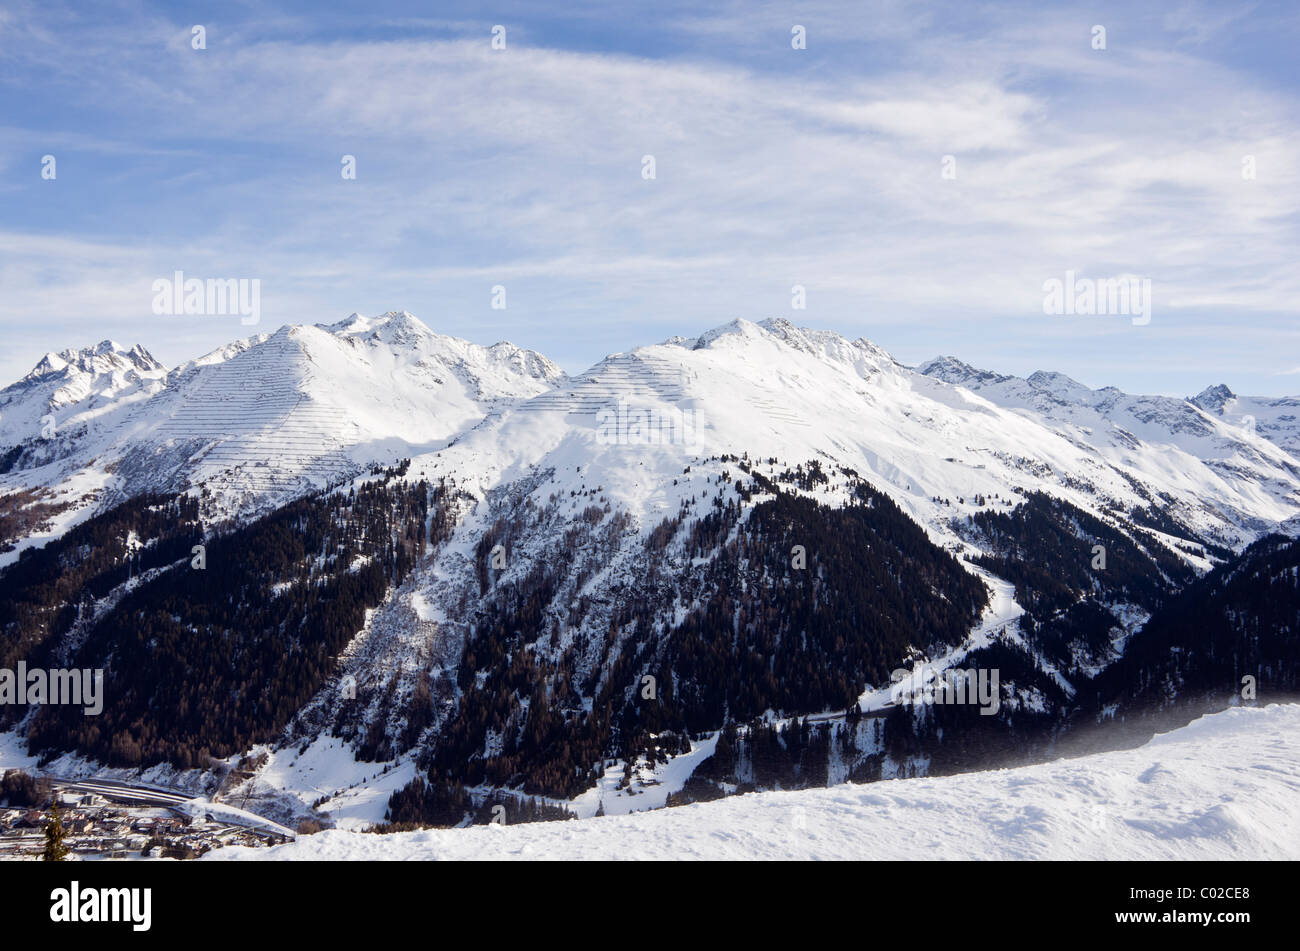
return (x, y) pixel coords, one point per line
(1218, 392)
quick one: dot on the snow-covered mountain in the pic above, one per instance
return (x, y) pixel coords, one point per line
(1123, 427)
(578, 482)
(88, 383)
(274, 415)
(252, 423)
(774, 390)
(764, 521)
(105, 371)
(308, 405)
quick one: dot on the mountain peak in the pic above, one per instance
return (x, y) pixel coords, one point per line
(98, 350)
(404, 333)
(1057, 384)
(807, 339)
(959, 373)
(1212, 399)
(738, 327)
(392, 326)
(824, 344)
(107, 356)
(780, 327)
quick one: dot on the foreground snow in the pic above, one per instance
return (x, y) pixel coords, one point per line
(1225, 787)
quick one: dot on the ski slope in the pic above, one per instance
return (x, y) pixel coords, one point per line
(1226, 786)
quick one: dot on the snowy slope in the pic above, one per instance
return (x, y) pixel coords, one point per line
(1225, 787)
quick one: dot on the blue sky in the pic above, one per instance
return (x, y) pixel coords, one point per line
(774, 167)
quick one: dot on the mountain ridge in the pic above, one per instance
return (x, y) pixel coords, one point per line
(477, 561)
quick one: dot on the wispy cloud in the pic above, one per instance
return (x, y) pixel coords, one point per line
(773, 167)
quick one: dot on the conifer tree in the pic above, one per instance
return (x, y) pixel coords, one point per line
(55, 850)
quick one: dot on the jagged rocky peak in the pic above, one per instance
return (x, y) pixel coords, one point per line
(951, 370)
(1212, 399)
(107, 356)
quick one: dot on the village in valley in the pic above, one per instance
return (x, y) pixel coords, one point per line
(96, 825)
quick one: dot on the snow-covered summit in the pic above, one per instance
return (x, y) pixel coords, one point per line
(636, 420)
(260, 418)
(740, 334)
(107, 356)
(401, 329)
(76, 373)
(90, 380)
(394, 325)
